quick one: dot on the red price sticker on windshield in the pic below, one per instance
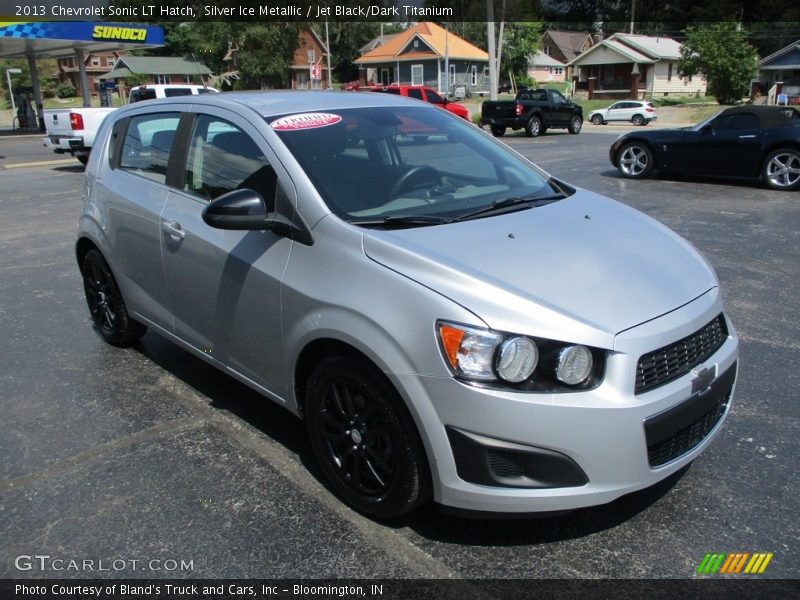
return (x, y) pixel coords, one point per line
(305, 121)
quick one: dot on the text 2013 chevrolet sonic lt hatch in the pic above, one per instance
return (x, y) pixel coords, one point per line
(449, 320)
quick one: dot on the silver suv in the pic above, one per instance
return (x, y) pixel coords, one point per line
(449, 320)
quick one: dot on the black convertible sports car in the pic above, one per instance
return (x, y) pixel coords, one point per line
(744, 141)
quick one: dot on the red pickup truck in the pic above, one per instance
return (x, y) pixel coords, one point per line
(427, 94)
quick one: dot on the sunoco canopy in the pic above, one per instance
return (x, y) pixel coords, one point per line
(62, 38)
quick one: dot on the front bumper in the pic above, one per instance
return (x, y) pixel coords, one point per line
(602, 432)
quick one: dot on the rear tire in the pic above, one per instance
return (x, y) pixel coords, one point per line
(82, 158)
(498, 130)
(365, 439)
(638, 120)
(781, 169)
(109, 314)
(533, 127)
(575, 124)
(635, 161)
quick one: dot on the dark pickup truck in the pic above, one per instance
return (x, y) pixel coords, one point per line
(534, 110)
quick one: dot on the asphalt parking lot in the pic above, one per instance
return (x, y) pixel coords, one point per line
(147, 454)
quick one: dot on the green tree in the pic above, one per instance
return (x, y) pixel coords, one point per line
(520, 41)
(266, 52)
(721, 52)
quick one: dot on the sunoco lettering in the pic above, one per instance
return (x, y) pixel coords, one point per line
(104, 32)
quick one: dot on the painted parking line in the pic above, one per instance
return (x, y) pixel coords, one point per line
(41, 163)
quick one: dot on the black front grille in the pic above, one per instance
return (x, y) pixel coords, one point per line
(687, 438)
(677, 430)
(675, 360)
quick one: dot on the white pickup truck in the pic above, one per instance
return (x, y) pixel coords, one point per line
(72, 130)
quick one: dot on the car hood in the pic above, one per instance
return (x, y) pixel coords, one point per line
(587, 265)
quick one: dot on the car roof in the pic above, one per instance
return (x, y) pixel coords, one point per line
(281, 102)
(770, 116)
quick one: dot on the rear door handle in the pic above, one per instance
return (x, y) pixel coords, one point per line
(173, 229)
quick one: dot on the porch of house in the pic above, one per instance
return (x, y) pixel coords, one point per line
(610, 81)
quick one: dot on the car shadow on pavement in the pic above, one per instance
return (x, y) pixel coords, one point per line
(434, 523)
(76, 168)
(430, 521)
(227, 394)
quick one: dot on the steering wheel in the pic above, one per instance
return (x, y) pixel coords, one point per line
(416, 176)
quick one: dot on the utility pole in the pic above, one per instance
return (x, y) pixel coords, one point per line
(492, 53)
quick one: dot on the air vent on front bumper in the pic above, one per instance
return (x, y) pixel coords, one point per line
(675, 360)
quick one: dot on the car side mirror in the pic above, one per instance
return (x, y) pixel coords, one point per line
(245, 209)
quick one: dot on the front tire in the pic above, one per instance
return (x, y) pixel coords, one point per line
(635, 161)
(82, 158)
(365, 439)
(109, 314)
(498, 130)
(575, 124)
(781, 170)
(597, 119)
(533, 127)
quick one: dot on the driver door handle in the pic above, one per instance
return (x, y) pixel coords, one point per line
(173, 229)
(747, 137)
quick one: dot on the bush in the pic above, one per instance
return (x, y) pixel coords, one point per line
(66, 90)
(525, 81)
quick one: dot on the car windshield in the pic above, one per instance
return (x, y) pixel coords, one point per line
(400, 163)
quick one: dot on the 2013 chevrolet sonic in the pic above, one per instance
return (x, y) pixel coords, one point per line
(449, 320)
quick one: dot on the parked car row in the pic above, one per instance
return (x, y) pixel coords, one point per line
(450, 321)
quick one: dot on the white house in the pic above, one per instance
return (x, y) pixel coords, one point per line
(542, 67)
(633, 66)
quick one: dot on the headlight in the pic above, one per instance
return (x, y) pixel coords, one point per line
(574, 364)
(469, 351)
(522, 362)
(516, 359)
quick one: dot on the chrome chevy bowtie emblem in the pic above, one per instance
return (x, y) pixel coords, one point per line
(703, 379)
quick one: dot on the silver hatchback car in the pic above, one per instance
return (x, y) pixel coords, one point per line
(450, 321)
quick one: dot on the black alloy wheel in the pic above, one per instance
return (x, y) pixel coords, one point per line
(110, 317)
(364, 438)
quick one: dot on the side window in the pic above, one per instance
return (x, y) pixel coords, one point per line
(736, 122)
(223, 158)
(558, 98)
(434, 98)
(147, 145)
(142, 94)
(616, 106)
(170, 92)
(415, 93)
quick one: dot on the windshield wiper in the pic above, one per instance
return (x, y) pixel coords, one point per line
(401, 221)
(514, 203)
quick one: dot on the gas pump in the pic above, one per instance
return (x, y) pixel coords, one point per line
(107, 89)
